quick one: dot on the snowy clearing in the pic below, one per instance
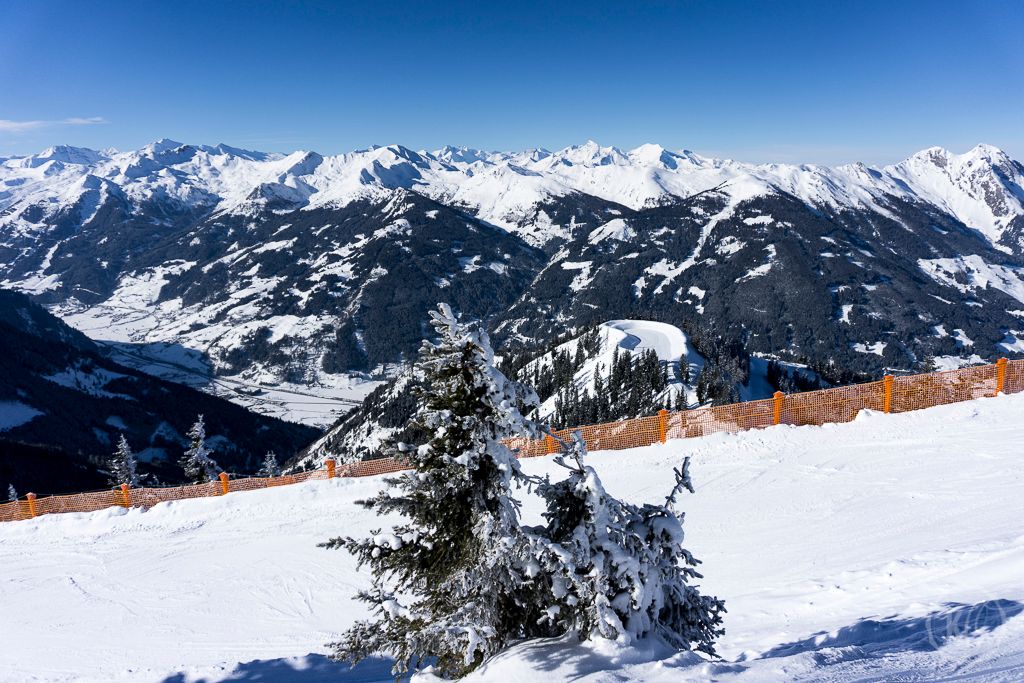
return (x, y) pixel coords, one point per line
(891, 546)
(15, 413)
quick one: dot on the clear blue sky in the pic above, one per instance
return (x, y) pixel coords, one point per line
(762, 81)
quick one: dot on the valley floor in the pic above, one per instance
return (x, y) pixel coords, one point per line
(889, 548)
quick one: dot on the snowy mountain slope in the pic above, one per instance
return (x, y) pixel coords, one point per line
(681, 362)
(314, 273)
(364, 431)
(65, 403)
(782, 278)
(846, 552)
(984, 188)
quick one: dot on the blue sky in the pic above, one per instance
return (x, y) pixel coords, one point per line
(759, 81)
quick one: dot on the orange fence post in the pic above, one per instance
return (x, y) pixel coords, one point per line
(223, 483)
(329, 463)
(549, 442)
(887, 401)
(31, 498)
(1000, 375)
(126, 495)
(777, 407)
(662, 425)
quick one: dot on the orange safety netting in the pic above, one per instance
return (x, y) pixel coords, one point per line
(841, 404)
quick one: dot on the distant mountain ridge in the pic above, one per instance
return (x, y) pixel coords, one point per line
(312, 271)
(982, 187)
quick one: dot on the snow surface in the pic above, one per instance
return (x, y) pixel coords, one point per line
(978, 273)
(15, 413)
(890, 548)
(877, 348)
(954, 362)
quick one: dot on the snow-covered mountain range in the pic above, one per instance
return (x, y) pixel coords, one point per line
(982, 188)
(311, 272)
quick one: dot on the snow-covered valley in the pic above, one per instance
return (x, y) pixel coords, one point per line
(887, 548)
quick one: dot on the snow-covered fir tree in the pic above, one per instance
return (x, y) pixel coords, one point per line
(452, 584)
(270, 468)
(198, 465)
(124, 465)
(12, 494)
(620, 570)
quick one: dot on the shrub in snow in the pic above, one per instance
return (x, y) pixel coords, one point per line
(270, 467)
(11, 493)
(452, 585)
(198, 465)
(123, 465)
(618, 569)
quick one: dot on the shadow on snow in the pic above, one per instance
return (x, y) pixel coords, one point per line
(875, 637)
(866, 639)
(313, 668)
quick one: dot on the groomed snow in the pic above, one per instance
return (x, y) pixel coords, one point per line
(891, 547)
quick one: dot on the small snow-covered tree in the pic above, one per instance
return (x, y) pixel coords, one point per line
(123, 465)
(198, 465)
(270, 466)
(12, 494)
(618, 569)
(452, 584)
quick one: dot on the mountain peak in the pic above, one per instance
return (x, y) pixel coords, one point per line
(71, 155)
(942, 157)
(162, 145)
(228, 150)
(986, 153)
(459, 154)
(590, 154)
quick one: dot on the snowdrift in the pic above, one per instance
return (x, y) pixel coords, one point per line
(889, 546)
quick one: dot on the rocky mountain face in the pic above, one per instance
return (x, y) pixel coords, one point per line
(64, 404)
(313, 274)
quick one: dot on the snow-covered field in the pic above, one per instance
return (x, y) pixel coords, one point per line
(890, 548)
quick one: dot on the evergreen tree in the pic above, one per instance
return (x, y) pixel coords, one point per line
(11, 493)
(123, 465)
(270, 468)
(453, 582)
(681, 400)
(198, 465)
(620, 570)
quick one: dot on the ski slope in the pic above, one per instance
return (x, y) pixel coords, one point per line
(888, 548)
